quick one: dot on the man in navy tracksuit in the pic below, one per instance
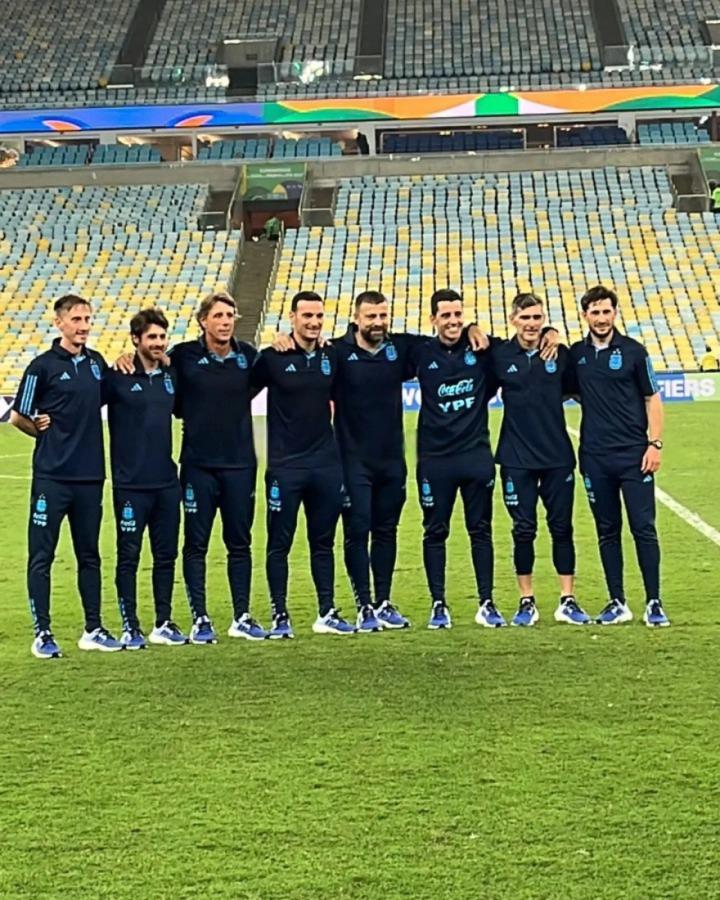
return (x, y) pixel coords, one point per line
(217, 461)
(620, 450)
(535, 455)
(58, 403)
(454, 452)
(303, 463)
(146, 491)
(372, 365)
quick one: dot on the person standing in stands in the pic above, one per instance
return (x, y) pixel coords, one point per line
(535, 455)
(58, 403)
(303, 463)
(620, 450)
(146, 490)
(714, 197)
(709, 361)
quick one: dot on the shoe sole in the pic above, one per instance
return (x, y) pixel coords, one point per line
(656, 624)
(133, 649)
(203, 643)
(247, 637)
(280, 637)
(37, 655)
(563, 621)
(387, 627)
(90, 647)
(533, 620)
(440, 627)
(621, 620)
(479, 621)
(323, 629)
(368, 630)
(165, 642)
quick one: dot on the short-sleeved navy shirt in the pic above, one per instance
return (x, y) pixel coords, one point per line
(368, 396)
(533, 434)
(299, 423)
(68, 388)
(613, 383)
(140, 408)
(456, 383)
(213, 401)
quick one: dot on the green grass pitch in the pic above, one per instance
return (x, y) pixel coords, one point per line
(549, 763)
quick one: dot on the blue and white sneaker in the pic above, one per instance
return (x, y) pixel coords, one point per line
(202, 631)
(489, 616)
(391, 617)
(570, 611)
(527, 613)
(281, 628)
(615, 613)
(439, 617)
(332, 623)
(45, 647)
(168, 634)
(246, 627)
(99, 639)
(654, 615)
(133, 640)
(367, 620)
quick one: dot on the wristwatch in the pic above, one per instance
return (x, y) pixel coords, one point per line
(658, 445)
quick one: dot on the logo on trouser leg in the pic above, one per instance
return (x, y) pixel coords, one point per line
(40, 514)
(190, 503)
(589, 489)
(127, 520)
(274, 499)
(426, 497)
(511, 497)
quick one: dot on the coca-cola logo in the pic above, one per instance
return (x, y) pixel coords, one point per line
(458, 389)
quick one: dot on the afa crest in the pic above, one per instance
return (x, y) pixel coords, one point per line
(550, 366)
(325, 365)
(616, 360)
(241, 361)
(390, 353)
(168, 383)
(95, 369)
(470, 358)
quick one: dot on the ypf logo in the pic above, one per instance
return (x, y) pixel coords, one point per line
(40, 513)
(127, 520)
(190, 503)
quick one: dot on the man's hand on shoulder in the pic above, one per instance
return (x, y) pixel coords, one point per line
(125, 364)
(549, 344)
(477, 338)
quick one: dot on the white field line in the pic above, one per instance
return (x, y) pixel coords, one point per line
(13, 455)
(682, 512)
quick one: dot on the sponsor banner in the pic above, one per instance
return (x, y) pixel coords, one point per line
(72, 120)
(675, 387)
(281, 181)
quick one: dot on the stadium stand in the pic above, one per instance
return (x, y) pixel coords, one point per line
(252, 148)
(188, 33)
(454, 142)
(590, 136)
(64, 155)
(490, 235)
(671, 133)
(51, 48)
(671, 30)
(118, 154)
(306, 147)
(122, 247)
(500, 37)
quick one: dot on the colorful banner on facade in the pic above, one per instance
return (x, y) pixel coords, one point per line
(358, 109)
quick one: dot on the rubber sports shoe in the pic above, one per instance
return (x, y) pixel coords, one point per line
(615, 613)
(526, 614)
(202, 631)
(489, 616)
(654, 615)
(45, 647)
(439, 617)
(133, 640)
(246, 627)
(281, 627)
(169, 634)
(570, 611)
(391, 617)
(332, 623)
(99, 639)
(367, 620)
